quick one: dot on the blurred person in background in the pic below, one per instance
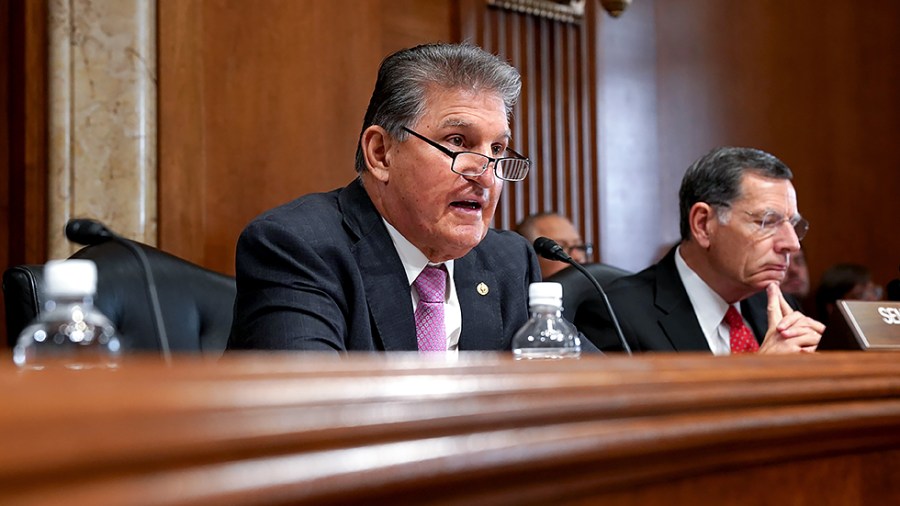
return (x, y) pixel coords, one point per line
(796, 279)
(846, 281)
(560, 229)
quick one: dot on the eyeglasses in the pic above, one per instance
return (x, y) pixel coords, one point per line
(768, 222)
(471, 164)
(587, 249)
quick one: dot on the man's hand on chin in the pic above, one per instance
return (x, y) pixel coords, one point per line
(789, 331)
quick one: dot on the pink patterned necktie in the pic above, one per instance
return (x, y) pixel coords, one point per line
(431, 286)
(742, 340)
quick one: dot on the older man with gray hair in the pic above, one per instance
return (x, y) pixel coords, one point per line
(403, 258)
(718, 290)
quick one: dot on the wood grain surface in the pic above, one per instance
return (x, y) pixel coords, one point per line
(302, 429)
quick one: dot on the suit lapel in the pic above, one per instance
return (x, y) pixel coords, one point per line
(676, 314)
(481, 322)
(382, 271)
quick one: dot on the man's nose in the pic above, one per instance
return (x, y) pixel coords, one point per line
(786, 239)
(487, 179)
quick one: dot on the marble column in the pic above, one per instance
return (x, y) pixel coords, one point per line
(102, 124)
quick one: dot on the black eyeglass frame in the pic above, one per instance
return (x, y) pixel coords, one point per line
(454, 154)
(586, 248)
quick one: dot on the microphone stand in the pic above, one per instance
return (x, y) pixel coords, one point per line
(90, 232)
(549, 249)
(153, 293)
(612, 314)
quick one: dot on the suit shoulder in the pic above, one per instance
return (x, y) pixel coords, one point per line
(644, 279)
(311, 209)
(503, 246)
(311, 221)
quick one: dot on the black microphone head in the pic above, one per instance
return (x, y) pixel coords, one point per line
(87, 232)
(548, 249)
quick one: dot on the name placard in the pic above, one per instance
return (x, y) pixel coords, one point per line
(863, 325)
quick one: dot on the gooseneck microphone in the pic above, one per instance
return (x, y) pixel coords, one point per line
(87, 232)
(90, 232)
(548, 249)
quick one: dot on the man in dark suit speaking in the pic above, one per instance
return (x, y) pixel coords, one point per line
(739, 228)
(403, 258)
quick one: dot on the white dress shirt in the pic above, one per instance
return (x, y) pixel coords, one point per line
(709, 307)
(414, 262)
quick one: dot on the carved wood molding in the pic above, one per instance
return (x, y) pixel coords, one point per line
(383, 428)
(569, 11)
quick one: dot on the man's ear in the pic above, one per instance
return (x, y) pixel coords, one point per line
(376, 145)
(703, 220)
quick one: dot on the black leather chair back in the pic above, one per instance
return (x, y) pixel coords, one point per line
(23, 297)
(577, 288)
(196, 303)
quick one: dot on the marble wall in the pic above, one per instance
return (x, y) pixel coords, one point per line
(102, 118)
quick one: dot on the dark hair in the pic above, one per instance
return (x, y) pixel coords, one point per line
(716, 178)
(836, 283)
(404, 77)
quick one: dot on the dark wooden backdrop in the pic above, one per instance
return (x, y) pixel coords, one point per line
(23, 134)
(260, 102)
(263, 103)
(815, 83)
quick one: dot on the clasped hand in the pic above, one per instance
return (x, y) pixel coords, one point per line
(789, 331)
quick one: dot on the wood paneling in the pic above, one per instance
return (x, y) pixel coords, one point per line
(298, 429)
(23, 134)
(5, 135)
(261, 102)
(627, 145)
(814, 83)
(5, 142)
(555, 122)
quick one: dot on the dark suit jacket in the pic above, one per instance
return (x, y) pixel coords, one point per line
(321, 273)
(656, 314)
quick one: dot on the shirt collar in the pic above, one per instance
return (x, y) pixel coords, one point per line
(414, 261)
(709, 306)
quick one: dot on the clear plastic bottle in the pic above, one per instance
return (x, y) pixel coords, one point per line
(70, 332)
(546, 334)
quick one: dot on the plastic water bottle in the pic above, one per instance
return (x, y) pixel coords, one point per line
(70, 332)
(546, 335)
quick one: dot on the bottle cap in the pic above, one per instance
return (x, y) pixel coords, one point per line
(69, 278)
(545, 294)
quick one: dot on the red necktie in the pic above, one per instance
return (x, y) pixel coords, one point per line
(429, 315)
(742, 340)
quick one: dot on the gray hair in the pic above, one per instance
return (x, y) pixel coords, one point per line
(716, 178)
(399, 97)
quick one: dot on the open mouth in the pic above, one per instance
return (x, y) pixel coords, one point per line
(466, 205)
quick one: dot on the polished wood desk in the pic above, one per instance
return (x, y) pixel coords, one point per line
(301, 429)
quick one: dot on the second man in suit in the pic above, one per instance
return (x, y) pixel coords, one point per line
(718, 290)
